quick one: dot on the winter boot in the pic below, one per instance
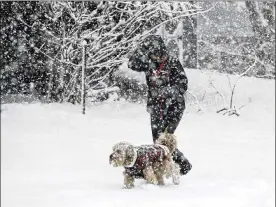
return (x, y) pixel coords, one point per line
(184, 164)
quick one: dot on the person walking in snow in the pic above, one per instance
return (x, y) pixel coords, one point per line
(167, 83)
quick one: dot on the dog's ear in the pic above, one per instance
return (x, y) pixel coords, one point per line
(129, 154)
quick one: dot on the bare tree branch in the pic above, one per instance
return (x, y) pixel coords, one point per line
(200, 108)
(235, 84)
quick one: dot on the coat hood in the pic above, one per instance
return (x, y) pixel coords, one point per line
(152, 44)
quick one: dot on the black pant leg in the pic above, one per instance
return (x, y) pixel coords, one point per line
(157, 122)
(159, 118)
(163, 116)
(185, 165)
(174, 115)
(154, 126)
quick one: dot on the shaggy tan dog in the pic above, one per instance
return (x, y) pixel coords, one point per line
(151, 162)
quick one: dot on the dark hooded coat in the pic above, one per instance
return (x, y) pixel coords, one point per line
(167, 83)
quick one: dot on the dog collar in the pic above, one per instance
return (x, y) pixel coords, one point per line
(166, 149)
(134, 158)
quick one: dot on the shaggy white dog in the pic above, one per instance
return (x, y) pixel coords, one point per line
(151, 162)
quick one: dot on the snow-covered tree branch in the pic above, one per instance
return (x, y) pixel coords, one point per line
(112, 30)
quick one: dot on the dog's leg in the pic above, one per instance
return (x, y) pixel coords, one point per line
(160, 179)
(159, 170)
(172, 169)
(175, 173)
(168, 167)
(128, 181)
(150, 175)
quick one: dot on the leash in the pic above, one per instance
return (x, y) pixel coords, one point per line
(159, 69)
(157, 75)
(165, 148)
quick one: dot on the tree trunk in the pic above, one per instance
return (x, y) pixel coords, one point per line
(50, 84)
(83, 79)
(263, 24)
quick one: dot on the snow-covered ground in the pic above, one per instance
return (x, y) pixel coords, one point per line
(52, 155)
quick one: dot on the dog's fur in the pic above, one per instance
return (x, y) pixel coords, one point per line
(152, 170)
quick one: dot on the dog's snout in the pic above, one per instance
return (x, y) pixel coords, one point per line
(112, 157)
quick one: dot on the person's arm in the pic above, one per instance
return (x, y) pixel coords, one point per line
(179, 78)
(178, 81)
(138, 61)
